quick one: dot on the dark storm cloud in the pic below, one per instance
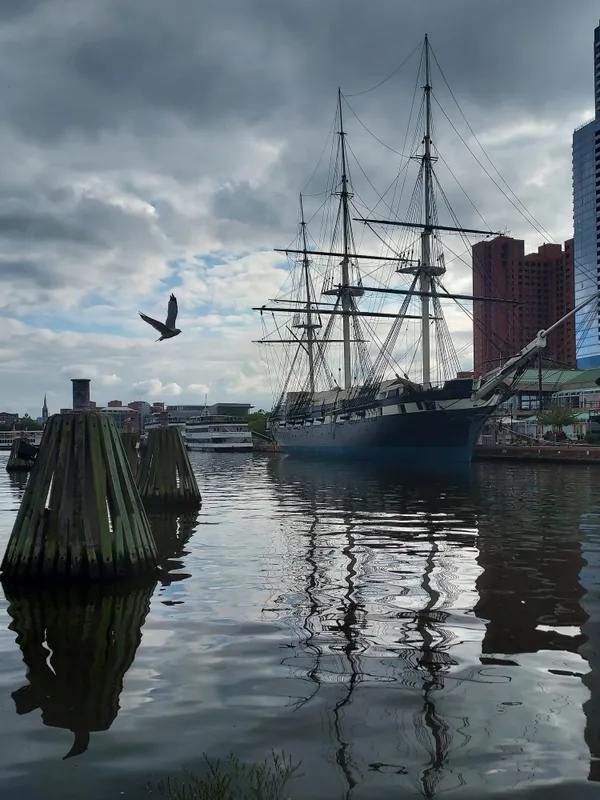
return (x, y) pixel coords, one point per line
(12, 9)
(152, 98)
(43, 227)
(72, 220)
(135, 62)
(23, 271)
(242, 203)
(100, 64)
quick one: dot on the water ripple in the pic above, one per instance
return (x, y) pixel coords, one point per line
(401, 635)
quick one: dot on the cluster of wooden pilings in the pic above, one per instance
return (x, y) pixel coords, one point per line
(83, 513)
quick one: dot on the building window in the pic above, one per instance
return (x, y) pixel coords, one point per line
(529, 402)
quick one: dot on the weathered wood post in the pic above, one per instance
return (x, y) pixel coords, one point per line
(19, 461)
(165, 475)
(81, 517)
(77, 643)
(130, 445)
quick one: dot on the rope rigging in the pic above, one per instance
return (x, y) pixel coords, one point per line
(382, 344)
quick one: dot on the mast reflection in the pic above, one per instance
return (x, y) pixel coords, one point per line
(360, 527)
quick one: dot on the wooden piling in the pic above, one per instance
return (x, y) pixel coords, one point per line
(81, 517)
(17, 462)
(77, 642)
(130, 445)
(165, 475)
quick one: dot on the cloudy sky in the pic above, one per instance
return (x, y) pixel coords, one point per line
(156, 146)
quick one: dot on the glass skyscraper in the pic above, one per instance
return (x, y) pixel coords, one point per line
(586, 218)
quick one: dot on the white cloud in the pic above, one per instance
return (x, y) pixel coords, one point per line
(110, 380)
(237, 283)
(79, 371)
(156, 388)
(198, 388)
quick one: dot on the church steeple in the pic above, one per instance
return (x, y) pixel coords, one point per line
(45, 410)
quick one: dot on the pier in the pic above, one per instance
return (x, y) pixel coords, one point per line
(566, 453)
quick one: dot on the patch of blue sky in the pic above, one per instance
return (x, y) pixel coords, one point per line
(95, 314)
(219, 257)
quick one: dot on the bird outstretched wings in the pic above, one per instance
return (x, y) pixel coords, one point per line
(160, 326)
(171, 312)
(164, 328)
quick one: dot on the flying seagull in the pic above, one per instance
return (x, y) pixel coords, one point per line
(168, 329)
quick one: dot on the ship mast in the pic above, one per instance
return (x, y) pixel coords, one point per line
(344, 289)
(425, 269)
(310, 334)
(426, 285)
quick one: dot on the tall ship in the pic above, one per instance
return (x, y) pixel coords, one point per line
(365, 362)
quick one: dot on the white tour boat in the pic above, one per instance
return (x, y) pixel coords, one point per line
(216, 434)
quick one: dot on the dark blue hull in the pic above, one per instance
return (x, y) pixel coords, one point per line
(427, 437)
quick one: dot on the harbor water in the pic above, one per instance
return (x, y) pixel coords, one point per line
(400, 635)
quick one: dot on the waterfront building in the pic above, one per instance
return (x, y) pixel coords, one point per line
(586, 219)
(542, 286)
(124, 417)
(181, 413)
(144, 409)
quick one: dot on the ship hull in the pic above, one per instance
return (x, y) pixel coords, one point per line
(427, 437)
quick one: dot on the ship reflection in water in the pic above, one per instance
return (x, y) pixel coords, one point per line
(395, 569)
(401, 634)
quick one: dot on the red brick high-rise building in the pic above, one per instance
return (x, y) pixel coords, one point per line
(543, 285)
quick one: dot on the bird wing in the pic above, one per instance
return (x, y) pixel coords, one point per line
(155, 324)
(171, 312)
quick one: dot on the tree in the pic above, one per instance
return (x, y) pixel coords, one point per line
(557, 417)
(24, 424)
(258, 421)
